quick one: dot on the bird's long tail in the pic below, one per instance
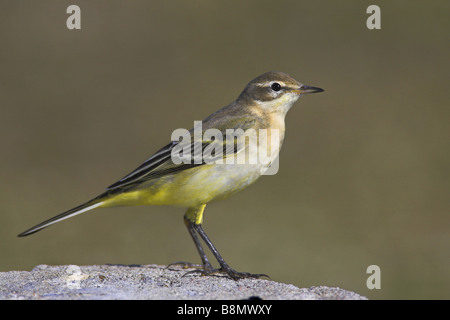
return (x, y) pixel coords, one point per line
(91, 204)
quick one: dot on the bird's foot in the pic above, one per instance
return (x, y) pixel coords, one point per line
(187, 265)
(233, 274)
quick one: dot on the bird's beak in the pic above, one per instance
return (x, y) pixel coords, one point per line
(307, 89)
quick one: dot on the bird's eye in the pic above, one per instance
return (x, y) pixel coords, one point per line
(276, 86)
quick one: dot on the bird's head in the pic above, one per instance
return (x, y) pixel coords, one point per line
(275, 91)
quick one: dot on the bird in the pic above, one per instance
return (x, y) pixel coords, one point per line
(178, 175)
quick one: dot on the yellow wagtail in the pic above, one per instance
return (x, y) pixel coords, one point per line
(165, 179)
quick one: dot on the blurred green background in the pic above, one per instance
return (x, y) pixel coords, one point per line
(364, 170)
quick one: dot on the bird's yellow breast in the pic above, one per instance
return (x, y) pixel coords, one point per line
(190, 188)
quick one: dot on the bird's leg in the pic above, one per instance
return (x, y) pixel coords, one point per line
(195, 214)
(224, 267)
(193, 220)
(206, 264)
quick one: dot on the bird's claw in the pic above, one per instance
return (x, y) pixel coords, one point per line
(233, 274)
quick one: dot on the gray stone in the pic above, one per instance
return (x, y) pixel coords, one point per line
(114, 282)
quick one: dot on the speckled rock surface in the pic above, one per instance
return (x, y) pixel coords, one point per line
(155, 282)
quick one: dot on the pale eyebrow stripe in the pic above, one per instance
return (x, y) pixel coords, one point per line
(268, 83)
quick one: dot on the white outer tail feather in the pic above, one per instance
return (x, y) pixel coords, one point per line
(63, 217)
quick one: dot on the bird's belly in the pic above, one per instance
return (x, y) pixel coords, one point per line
(193, 187)
(211, 182)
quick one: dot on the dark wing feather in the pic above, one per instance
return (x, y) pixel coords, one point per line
(161, 164)
(159, 157)
(157, 165)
